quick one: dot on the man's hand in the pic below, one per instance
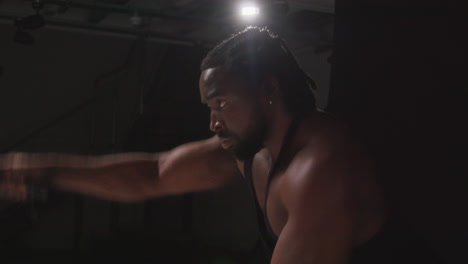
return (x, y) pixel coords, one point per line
(12, 185)
(17, 181)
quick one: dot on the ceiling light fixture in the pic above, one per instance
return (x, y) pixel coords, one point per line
(250, 11)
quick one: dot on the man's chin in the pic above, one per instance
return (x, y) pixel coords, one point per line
(246, 152)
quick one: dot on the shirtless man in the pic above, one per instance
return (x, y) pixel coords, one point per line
(316, 188)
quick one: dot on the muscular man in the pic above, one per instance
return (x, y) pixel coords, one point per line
(316, 189)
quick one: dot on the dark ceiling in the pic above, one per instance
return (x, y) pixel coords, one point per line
(183, 22)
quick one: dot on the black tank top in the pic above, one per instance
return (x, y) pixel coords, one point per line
(267, 239)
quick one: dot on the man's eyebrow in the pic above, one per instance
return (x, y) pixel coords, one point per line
(212, 93)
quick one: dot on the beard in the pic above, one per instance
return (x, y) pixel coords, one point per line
(247, 146)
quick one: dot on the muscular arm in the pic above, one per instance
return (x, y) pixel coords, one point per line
(321, 218)
(131, 177)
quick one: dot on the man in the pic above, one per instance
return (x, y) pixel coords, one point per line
(316, 189)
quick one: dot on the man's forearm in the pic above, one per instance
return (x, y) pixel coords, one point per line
(130, 181)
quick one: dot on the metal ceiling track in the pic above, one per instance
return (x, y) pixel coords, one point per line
(116, 31)
(130, 10)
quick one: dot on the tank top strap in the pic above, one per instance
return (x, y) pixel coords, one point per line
(267, 241)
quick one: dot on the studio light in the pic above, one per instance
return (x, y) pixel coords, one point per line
(250, 11)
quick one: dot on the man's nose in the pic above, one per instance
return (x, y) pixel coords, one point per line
(215, 124)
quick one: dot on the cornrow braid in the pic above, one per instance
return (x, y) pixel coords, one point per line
(255, 54)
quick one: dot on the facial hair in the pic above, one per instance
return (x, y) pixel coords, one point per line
(246, 146)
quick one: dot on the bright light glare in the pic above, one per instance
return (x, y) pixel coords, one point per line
(250, 11)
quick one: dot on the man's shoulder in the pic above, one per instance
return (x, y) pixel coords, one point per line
(316, 171)
(329, 144)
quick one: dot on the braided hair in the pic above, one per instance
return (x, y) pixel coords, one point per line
(255, 54)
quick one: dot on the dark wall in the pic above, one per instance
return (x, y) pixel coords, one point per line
(173, 111)
(398, 75)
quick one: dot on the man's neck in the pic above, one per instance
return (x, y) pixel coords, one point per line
(279, 127)
(277, 131)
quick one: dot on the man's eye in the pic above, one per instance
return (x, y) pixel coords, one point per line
(221, 103)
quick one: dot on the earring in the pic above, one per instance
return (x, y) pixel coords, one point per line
(270, 102)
